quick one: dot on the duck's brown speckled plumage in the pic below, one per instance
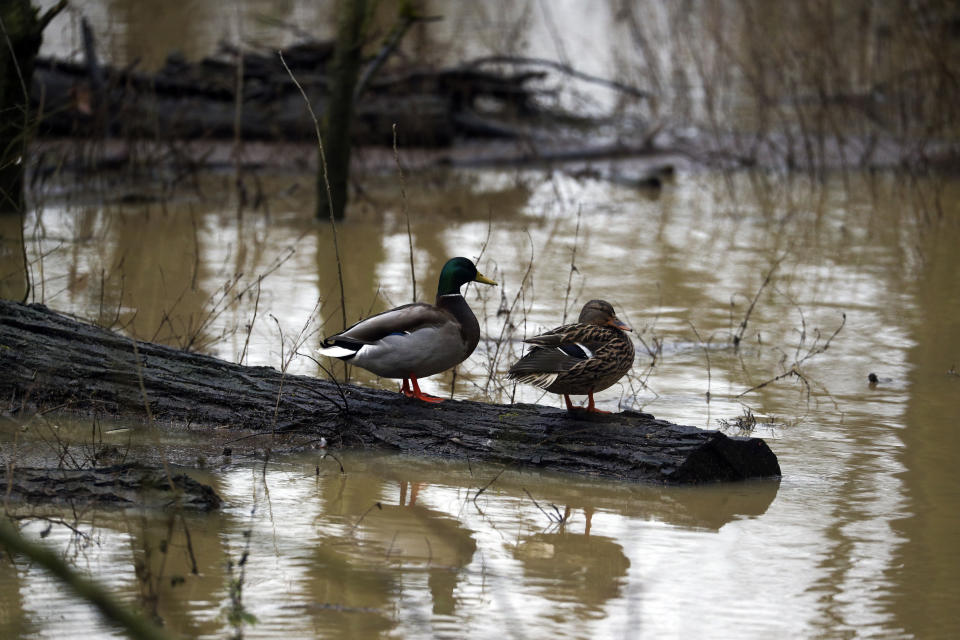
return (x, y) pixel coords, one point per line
(581, 358)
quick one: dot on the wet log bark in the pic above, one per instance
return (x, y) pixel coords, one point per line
(48, 360)
(123, 485)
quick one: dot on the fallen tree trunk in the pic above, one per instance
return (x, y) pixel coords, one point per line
(49, 360)
(186, 100)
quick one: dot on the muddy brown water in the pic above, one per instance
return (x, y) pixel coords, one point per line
(858, 538)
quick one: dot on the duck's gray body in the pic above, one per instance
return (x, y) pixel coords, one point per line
(412, 340)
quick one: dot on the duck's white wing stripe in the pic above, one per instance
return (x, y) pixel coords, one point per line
(336, 352)
(542, 380)
(576, 350)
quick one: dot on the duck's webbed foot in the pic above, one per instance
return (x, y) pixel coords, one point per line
(590, 408)
(416, 393)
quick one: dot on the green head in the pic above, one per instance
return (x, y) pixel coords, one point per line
(456, 273)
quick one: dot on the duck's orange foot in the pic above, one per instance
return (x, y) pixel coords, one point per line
(586, 410)
(416, 393)
(427, 398)
(590, 408)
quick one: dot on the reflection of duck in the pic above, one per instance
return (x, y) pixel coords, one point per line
(412, 534)
(580, 358)
(583, 570)
(873, 380)
(414, 490)
(349, 567)
(418, 339)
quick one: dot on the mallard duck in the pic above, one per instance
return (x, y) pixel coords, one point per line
(415, 340)
(578, 359)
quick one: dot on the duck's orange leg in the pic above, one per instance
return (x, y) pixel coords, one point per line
(405, 389)
(593, 409)
(420, 395)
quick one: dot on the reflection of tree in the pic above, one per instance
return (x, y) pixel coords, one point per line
(13, 275)
(361, 251)
(13, 621)
(351, 600)
(925, 567)
(161, 283)
(161, 557)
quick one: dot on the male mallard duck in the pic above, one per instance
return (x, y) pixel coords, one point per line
(415, 340)
(580, 358)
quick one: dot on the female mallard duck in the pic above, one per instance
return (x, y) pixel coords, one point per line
(580, 358)
(415, 340)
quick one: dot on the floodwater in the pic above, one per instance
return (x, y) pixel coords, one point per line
(858, 538)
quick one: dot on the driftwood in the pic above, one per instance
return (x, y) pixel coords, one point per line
(50, 360)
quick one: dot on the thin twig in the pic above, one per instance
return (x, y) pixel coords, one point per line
(706, 352)
(326, 182)
(746, 318)
(573, 266)
(364, 515)
(407, 20)
(487, 486)
(537, 504)
(253, 320)
(406, 209)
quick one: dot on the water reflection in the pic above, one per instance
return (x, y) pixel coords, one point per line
(858, 538)
(580, 571)
(371, 551)
(13, 276)
(14, 622)
(857, 502)
(921, 572)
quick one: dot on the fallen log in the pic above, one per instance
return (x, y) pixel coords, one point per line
(185, 100)
(125, 485)
(50, 360)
